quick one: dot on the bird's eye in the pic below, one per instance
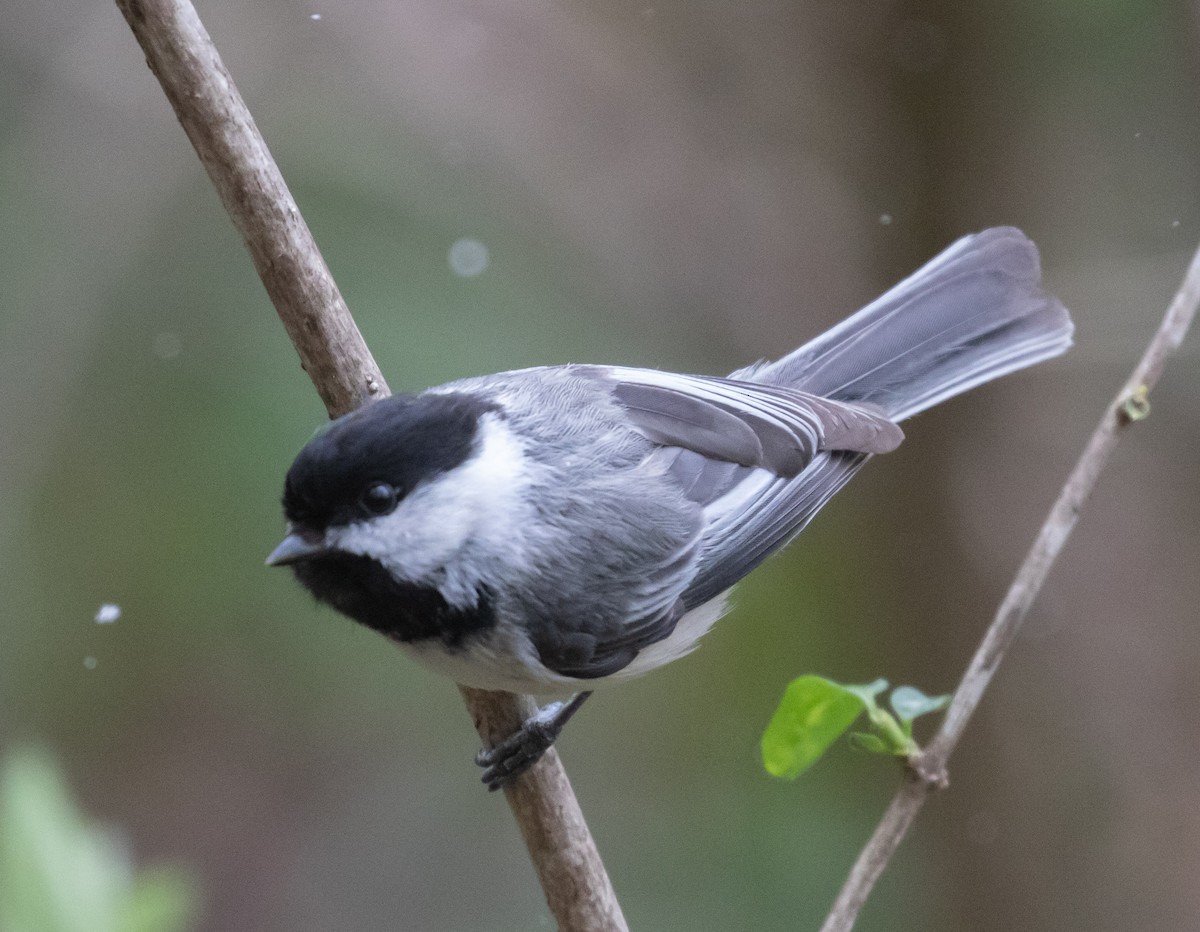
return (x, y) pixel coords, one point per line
(379, 498)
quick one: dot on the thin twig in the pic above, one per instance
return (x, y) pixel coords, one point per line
(216, 120)
(928, 770)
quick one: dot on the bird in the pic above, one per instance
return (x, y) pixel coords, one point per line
(553, 529)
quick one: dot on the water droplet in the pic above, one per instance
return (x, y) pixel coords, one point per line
(468, 257)
(1174, 224)
(314, 16)
(885, 219)
(108, 613)
(89, 663)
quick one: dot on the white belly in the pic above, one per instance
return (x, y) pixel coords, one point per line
(506, 660)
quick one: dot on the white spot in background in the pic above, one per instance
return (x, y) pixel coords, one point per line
(89, 663)
(885, 219)
(468, 257)
(1174, 224)
(108, 613)
(1138, 134)
(167, 345)
(314, 16)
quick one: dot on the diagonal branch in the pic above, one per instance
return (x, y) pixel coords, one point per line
(216, 120)
(928, 770)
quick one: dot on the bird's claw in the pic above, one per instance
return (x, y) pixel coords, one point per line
(521, 750)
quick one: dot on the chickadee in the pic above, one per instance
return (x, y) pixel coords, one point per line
(551, 529)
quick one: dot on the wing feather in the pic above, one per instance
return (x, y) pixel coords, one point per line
(760, 460)
(770, 426)
(759, 515)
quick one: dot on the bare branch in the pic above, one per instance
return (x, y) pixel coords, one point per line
(216, 120)
(928, 771)
(560, 845)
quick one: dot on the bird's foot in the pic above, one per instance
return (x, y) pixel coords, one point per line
(523, 748)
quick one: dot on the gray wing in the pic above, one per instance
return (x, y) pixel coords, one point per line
(752, 514)
(774, 427)
(605, 644)
(759, 460)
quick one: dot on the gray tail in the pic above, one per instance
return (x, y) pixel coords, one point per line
(974, 313)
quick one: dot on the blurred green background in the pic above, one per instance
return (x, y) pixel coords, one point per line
(684, 185)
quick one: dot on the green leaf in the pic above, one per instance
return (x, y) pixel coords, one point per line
(872, 744)
(867, 693)
(60, 873)
(813, 713)
(162, 900)
(909, 703)
(55, 873)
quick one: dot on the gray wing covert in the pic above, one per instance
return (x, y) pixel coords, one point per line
(604, 645)
(760, 460)
(769, 426)
(760, 514)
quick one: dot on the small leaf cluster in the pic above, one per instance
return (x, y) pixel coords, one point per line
(58, 873)
(814, 712)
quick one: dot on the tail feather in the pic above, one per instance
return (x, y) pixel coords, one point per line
(974, 313)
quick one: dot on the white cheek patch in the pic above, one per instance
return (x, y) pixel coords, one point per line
(443, 514)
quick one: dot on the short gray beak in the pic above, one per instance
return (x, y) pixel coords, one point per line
(295, 547)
